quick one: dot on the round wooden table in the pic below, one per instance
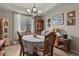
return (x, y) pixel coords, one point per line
(30, 41)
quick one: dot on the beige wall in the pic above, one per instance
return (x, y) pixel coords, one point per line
(10, 17)
(73, 30)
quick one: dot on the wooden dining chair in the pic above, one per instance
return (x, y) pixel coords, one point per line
(28, 32)
(48, 45)
(22, 51)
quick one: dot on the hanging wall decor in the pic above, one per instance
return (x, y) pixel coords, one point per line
(71, 18)
(49, 22)
(58, 19)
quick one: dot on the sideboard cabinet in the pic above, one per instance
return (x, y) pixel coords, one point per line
(4, 39)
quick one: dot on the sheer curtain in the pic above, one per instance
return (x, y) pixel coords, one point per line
(22, 23)
(25, 23)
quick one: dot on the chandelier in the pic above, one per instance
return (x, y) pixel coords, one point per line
(34, 11)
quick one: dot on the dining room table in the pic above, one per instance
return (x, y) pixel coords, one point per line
(30, 41)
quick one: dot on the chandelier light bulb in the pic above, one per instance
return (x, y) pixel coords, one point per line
(28, 10)
(34, 11)
(40, 11)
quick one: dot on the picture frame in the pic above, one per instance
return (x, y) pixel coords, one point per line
(49, 22)
(71, 14)
(71, 18)
(58, 19)
(71, 21)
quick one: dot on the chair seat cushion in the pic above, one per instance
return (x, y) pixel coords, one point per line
(40, 53)
(40, 49)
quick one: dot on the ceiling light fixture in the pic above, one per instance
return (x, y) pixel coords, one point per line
(34, 11)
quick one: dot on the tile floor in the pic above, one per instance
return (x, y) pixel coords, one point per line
(13, 50)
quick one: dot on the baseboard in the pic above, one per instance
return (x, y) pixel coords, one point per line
(75, 51)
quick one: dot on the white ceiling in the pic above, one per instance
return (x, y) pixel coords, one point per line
(21, 7)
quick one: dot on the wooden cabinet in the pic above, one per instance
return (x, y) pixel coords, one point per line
(62, 43)
(5, 30)
(2, 49)
(39, 25)
(4, 38)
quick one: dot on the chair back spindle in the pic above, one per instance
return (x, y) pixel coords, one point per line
(20, 41)
(49, 43)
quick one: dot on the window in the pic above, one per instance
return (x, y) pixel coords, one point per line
(25, 23)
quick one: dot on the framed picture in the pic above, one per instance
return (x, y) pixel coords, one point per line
(71, 21)
(49, 22)
(71, 18)
(58, 19)
(71, 14)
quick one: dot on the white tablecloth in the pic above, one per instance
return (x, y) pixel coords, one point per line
(30, 41)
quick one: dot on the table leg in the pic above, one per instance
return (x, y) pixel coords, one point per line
(66, 46)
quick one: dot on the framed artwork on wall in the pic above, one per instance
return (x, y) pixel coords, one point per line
(49, 22)
(71, 18)
(58, 19)
(71, 14)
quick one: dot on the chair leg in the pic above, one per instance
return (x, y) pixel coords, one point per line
(23, 53)
(20, 54)
(26, 53)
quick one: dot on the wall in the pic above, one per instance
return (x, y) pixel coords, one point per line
(73, 30)
(10, 17)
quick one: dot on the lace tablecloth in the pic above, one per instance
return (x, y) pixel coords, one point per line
(30, 41)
